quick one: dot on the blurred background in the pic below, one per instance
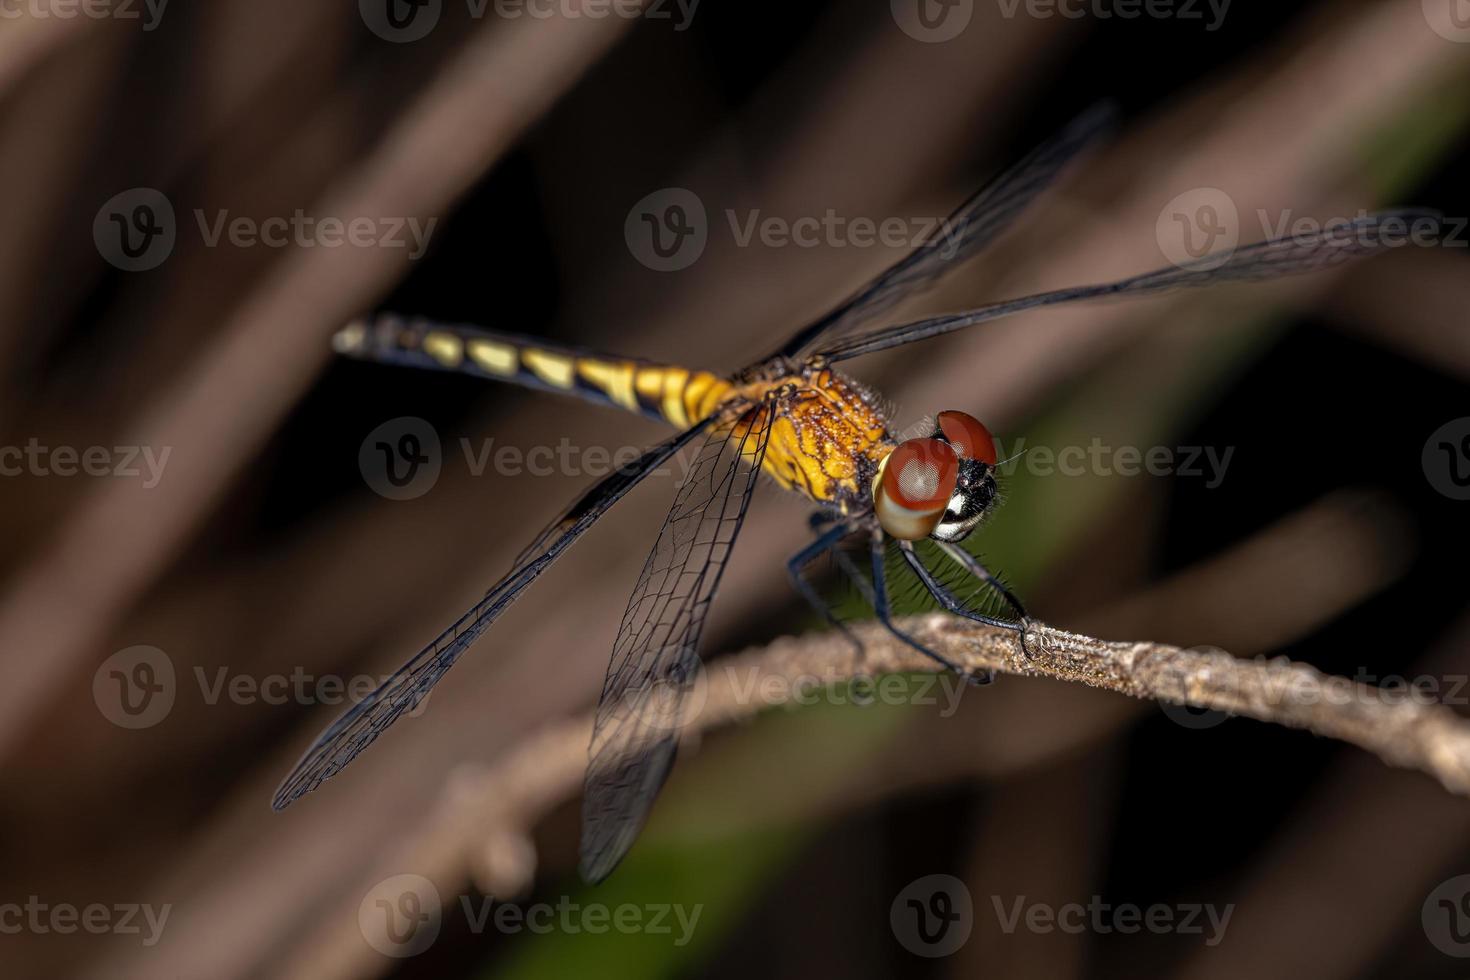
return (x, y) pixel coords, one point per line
(197, 562)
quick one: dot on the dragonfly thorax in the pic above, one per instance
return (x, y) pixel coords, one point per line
(827, 438)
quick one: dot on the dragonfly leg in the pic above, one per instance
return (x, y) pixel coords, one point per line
(948, 599)
(972, 564)
(880, 606)
(822, 518)
(827, 542)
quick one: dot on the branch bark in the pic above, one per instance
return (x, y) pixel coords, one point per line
(500, 804)
(483, 827)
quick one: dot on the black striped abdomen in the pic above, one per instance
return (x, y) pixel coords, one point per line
(671, 394)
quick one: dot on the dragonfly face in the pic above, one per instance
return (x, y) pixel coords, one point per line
(974, 496)
(975, 492)
(941, 486)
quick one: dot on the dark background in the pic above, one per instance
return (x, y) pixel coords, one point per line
(265, 551)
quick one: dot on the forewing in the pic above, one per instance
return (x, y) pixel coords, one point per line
(655, 661)
(973, 226)
(1272, 259)
(356, 729)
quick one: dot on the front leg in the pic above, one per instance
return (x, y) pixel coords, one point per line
(881, 607)
(827, 542)
(962, 557)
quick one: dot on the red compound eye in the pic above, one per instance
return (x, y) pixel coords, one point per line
(918, 479)
(971, 440)
(921, 474)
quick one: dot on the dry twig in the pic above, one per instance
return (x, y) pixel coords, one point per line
(1402, 730)
(483, 828)
(497, 808)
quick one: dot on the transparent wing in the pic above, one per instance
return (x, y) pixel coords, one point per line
(655, 661)
(1272, 259)
(972, 227)
(356, 729)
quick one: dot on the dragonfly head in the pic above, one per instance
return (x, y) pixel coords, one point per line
(942, 486)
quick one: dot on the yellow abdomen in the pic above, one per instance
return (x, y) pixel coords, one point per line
(826, 441)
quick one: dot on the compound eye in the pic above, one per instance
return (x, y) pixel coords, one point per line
(914, 488)
(970, 438)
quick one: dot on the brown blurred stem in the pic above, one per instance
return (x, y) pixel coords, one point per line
(1402, 730)
(495, 809)
(1329, 555)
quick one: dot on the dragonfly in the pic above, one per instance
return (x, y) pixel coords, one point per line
(811, 430)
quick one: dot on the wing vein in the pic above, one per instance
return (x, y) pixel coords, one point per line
(360, 725)
(655, 663)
